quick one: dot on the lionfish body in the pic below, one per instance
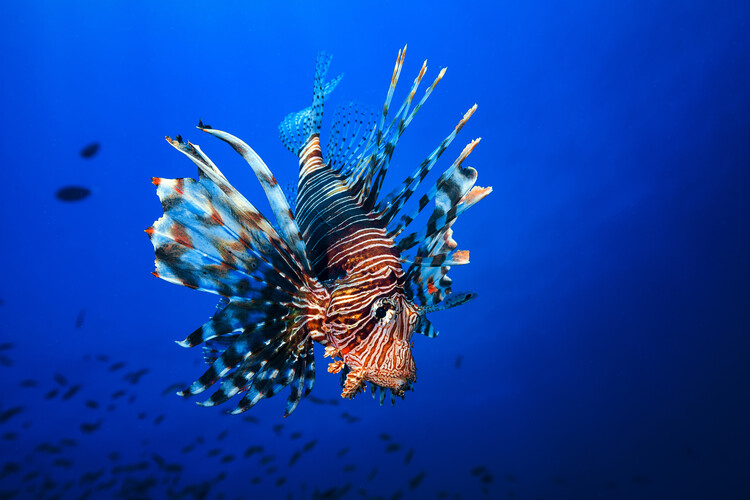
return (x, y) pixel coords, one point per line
(332, 272)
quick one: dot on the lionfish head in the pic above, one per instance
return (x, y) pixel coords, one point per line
(374, 343)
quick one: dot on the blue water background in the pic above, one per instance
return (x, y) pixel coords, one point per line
(608, 353)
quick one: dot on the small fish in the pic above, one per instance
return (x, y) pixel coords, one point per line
(159, 419)
(10, 436)
(392, 448)
(409, 455)
(187, 448)
(118, 394)
(90, 427)
(266, 459)
(138, 466)
(52, 393)
(134, 377)
(102, 357)
(255, 480)
(60, 379)
(384, 437)
(158, 460)
(131, 399)
(295, 456)
(251, 419)
(316, 400)
(65, 463)
(334, 270)
(48, 448)
(29, 382)
(309, 445)
(459, 358)
(487, 478)
(116, 366)
(113, 455)
(222, 435)
(90, 477)
(6, 346)
(70, 442)
(92, 404)
(479, 470)
(214, 452)
(342, 452)
(277, 429)
(90, 150)
(173, 468)
(372, 474)
(72, 391)
(10, 413)
(227, 458)
(417, 480)
(295, 435)
(280, 481)
(79, 319)
(142, 415)
(271, 470)
(350, 418)
(171, 389)
(72, 193)
(5, 360)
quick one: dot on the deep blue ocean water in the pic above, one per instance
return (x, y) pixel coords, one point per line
(608, 353)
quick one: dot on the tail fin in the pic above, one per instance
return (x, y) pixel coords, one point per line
(296, 128)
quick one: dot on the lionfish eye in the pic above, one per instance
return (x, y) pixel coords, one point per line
(380, 312)
(385, 310)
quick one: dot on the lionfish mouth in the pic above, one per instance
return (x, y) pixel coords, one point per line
(398, 383)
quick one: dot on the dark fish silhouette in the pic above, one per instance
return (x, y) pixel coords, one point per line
(295, 435)
(89, 427)
(10, 436)
(266, 459)
(51, 394)
(72, 193)
(479, 470)
(385, 437)
(350, 418)
(459, 358)
(213, 452)
(487, 479)
(172, 389)
(409, 455)
(255, 480)
(134, 377)
(309, 445)
(417, 480)
(222, 435)
(80, 318)
(90, 477)
(342, 452)
(138, 466)
(349, 468)
(71, 392)
(5, 346)
(280, 481)
(316, 400)
(29, 382)
(48, 448)
(392, 448)
(92, 404)
(295, 456)
(227, 458)
(90, 150)
(372, 474)
(113, 455)
(5, 360)
(251, 419)
(173, 468)
(187, 448)
(68, 442)
(117, 366)
(63, 462)
(102, 357)
(271, 470)
(118, 394)
(10, 413)
(60, 379)
(277, 429)
(159, 419)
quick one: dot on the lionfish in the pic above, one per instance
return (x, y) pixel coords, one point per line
(333, 268)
